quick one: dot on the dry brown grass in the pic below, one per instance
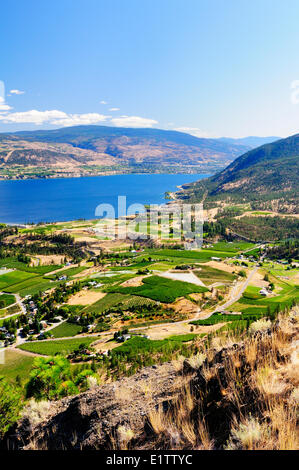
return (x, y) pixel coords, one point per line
(255, 381)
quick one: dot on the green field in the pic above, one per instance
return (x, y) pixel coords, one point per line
(210, 275)
(13, 263)
(16, 364)
(252, 303)
(14, 277)
(66, 329)
(5, 312)
(232, 247)
(110, 300)
(7, 299)
(31, 286)
(160, 289)
(189, 255)
(67, 272)
(138, 345)
(52, 347)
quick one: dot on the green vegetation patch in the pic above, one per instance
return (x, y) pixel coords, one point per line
(31, 286)
(16, 365)
(13, 263)
(210, 275)
(6, 300)
(13, 277)
(202, 255)
(66, 329)
(138, 345)
(160, 289)
(52, 347)
(110, 300)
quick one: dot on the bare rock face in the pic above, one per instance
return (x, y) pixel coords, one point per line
(91, 420)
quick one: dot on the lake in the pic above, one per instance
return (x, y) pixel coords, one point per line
(62, 199)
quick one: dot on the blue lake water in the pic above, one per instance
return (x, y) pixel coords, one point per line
(64, 199)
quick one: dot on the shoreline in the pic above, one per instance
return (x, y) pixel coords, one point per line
(182, 171)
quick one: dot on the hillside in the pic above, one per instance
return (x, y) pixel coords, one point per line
(267, 176)
(85, 150)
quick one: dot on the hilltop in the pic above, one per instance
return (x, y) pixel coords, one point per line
(89, 150)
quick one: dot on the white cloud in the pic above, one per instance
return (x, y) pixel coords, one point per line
(113, 109)
(63, 119)
(103, 102)
(3, 106)
(33, 116)
(55, 117)
(194, 131)
(17, 92)
(133, 121)
(80, 119)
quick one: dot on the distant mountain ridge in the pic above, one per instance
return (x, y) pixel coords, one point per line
(251, 141)
(87, 150)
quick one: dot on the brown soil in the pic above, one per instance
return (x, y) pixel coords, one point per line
(222, 266)
(135, 282)
(85, 297)
(258, 280)
(184, 306)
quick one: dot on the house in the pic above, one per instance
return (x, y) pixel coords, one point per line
(264, 292)
(123, 338)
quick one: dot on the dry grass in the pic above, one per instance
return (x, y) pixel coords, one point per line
(254, 388)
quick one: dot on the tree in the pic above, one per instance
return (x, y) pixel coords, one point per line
(10, 405)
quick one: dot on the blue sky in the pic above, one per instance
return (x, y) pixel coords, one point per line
(209, 67)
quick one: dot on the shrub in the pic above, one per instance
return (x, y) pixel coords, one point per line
(10, 405)
(261, 326)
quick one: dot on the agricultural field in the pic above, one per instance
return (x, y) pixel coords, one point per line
(110, 300)
(210, 275)
(140, 345)
(9, 311)
(233, 247)
(284, 296)
(69, 272)
(13, 263)
(160, 289)
(6, 300)
(16, 365)
(202, 256)
(12, 278)
(66, 329)
(52, 347)
(31, 286)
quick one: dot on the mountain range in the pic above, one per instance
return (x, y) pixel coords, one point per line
(86, 150)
